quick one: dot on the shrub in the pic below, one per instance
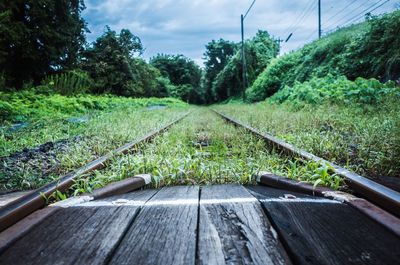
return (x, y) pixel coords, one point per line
(69, 83)
(338, 90)
(369, 50)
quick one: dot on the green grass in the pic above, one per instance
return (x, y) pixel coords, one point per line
(202, 150)
(47, 116)
(121, 121)
(362, 138)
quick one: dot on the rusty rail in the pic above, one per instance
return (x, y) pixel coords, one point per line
(18, 209)
(375, 192)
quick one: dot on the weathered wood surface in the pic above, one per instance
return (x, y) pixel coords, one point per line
(165, 230)
(318, 232)
(233, 229)
(76, 235)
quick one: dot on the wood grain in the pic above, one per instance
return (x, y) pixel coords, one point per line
(165, 230)
(233, 229)
(329, 233)
(76, 235)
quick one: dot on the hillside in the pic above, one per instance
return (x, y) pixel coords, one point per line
(370, 50)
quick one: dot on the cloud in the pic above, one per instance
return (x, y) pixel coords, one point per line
(185, 27)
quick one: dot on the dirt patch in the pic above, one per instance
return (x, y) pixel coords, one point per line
(32, 166)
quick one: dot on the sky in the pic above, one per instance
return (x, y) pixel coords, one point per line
(186, 26)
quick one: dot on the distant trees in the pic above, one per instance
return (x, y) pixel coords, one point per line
(184, 75)
(42, 42)
(216, 57)
(38, 37)
(259, 51)
(111, 63)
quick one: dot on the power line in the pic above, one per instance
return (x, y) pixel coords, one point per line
(303, 17)
(290, 28)
(346, 15)
(298, 19)
(345, 8)
(355, 18)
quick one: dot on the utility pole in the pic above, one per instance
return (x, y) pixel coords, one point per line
(244, 70)
(244, 77)
(319, 19)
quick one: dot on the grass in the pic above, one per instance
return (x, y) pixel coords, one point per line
(48, 118)
(122, 121)
(362, 138)
(203, 149)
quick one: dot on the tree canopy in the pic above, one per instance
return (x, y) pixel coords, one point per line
(38, 37)
(259, 51)
(183, 73)
(216, 57)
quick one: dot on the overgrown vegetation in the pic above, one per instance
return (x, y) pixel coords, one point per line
(337, 90)
(203, 149)
(369, 50)
(229, 82)
(35, 104)
(184, 75)
(65, 140)
(64, 102)
(362, 138)
(39, 37)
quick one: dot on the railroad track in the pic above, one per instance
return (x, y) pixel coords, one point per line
(256, 224)
(371, 190)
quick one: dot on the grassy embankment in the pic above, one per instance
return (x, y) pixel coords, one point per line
(326, 97)
(362, 138)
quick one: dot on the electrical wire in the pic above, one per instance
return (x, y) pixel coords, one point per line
(369, 10)
(340, 21)
(297, 20)
(341, 11)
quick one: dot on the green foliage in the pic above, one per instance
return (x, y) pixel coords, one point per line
(106, 127)
(32, 105)
(183, 73)
(258, 53)
(337, 90)
(69, 83)
(216, 57)
(364, 138)
(110, 63)
(202, 149)
(38, 36)
(368, 50)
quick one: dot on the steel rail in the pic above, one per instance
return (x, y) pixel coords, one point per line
(375, 192)
(20, 208)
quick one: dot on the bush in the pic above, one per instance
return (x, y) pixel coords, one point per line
(69, 83)
(338, 90)
(30, 105)
(369, 50)
(259, 51)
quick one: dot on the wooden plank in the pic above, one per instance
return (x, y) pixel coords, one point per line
(233, 229)
(18, 230)
(76, 235)
(165, 230)
(319, 232)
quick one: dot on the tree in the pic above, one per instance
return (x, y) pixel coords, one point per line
(38, 37)
(110, 62)
(183, 73)
(259, 51)
(216, 57)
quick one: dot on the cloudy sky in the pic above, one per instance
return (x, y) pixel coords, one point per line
(185, 26)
